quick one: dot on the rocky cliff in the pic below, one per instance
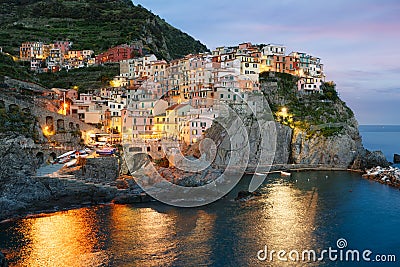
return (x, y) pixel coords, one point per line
(21, 192)
(317, 129)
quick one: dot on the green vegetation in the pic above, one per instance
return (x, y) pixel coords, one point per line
(84, 78)
(317, 113)
(17, 121)
(91, 24)
(8, 67)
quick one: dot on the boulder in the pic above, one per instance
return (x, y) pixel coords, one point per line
(127, 199)
(396, 158)
(3, 261)
(368, 159)
(246, 195)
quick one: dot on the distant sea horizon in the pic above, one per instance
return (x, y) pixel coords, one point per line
(385, 138)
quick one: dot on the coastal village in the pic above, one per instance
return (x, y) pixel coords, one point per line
(128, 141)
(153, 99)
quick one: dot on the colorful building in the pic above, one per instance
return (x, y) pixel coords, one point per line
(116, 54)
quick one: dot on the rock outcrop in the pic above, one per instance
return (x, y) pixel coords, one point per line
(246, 195)
(3, 261)
(99, 170)
(22, 193)
(338, 150)
(389, 176)
(396, 158)
(343, 149)
(367, 159)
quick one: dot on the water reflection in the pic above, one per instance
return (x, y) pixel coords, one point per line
(307, 211)
(283, 220)
(142, 235)
(289, 217)
(65, 239)
(151, 237)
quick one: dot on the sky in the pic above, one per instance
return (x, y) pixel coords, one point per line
(358, 40)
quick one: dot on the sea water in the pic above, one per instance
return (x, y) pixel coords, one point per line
(308, 211)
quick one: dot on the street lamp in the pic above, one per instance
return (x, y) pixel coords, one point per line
(284, 112)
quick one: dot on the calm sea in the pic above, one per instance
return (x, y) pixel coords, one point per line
(382, 137)
(307, 211)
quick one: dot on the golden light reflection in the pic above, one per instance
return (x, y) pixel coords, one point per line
(292, 216)
(286, 221)
(151, 232)
(65, 239)
(157, 234)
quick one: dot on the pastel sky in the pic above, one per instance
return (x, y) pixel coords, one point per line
(358, 40)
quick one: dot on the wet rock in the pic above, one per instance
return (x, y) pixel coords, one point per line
(367, 159)
(131, 199)
(3, 261)
(102, 169)
(389, 176)
(246, 195)
(122, 184)
(396, 158)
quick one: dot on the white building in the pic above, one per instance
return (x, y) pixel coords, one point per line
(197, 121)
(273, 49)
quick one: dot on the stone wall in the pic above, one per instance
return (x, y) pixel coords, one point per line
(99, 170)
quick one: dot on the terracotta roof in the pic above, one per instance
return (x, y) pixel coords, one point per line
(176, 106)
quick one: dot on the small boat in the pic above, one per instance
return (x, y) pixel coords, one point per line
(80, 153)
(70, 163)
(64, 160)
(107, 151)
(259, 174)
(66, 154)
(285, 173)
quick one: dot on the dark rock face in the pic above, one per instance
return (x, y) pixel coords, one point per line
(3, 261)
(17, 159)
(246, 195)
(188, 179)
(18, 163)
(396, 158)
(367, 159)
(99, 170)
(21, 193)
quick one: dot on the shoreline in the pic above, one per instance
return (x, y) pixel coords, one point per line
(388, 176)
(58, 207)
(51, 206)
